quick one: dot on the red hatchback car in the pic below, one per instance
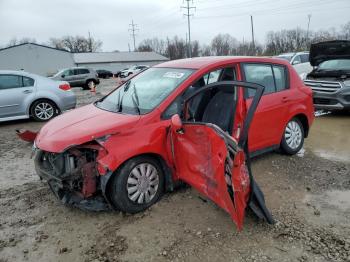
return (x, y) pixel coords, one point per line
(186, 120)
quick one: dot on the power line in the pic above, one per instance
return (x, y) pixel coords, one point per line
(189, 7)
(133, 29)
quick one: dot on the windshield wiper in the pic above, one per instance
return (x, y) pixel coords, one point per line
(135, 100)
(120, 98)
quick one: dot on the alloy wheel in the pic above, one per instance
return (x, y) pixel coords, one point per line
(44, 111)
(142, 184)
(293, 134)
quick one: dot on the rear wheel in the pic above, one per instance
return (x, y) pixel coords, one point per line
(43, 110)
(293, 137)
(137, 185)
(90, 84)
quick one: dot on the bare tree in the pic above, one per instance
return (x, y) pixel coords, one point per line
(223, 44)
(76, 44)
(154, 44)
(176, 48)
(195, 50)
(14, 41)
(205, 50)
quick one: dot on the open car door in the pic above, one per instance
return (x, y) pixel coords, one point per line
(216, 164)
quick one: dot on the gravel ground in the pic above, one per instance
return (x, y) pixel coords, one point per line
(308, 194)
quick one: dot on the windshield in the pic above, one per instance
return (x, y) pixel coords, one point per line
(336, 64)
(145, 91)
(58, 73)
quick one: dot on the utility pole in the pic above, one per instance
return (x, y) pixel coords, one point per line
(188, 7)
(90, 42)
(252, 25)
(133, 29)
(308, 27)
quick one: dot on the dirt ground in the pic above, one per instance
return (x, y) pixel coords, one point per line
(308, 194)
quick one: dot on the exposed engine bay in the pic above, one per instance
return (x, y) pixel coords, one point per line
(73, 176)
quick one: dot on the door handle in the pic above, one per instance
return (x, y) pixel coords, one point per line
(27, 91)
(285, 99)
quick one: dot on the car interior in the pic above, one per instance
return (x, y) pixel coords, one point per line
(216, 106)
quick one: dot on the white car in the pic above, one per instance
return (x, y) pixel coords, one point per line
(24, 95)
(300, 62)
(132, 70)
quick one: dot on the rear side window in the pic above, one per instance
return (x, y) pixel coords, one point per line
(272, 77)
(280, 77)
(81, 71)
(27, 81)
(10, 81)
(260, 74)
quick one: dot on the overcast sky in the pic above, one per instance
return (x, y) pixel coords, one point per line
(108, 20)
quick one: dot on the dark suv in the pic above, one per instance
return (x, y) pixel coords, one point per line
(87, 78)
(330, 78)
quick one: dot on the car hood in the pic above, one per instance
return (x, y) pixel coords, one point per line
(80, 126)
(323, 51)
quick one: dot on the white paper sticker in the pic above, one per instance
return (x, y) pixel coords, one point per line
(173, 75)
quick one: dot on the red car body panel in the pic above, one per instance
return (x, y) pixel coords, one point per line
(125, 136)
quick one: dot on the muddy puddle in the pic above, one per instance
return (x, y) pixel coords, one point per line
(329, 137)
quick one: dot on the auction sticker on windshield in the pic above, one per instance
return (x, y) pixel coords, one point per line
(173, 75)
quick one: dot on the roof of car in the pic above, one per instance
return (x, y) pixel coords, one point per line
(202, 62)
(16, 72)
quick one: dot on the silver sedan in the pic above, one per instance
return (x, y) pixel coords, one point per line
(24, 95)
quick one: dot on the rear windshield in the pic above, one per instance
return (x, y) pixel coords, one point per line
(144, 92)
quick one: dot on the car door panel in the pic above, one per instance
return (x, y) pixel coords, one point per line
(12, 99)
(214, 163)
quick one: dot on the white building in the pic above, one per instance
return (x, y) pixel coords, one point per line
(44, 60)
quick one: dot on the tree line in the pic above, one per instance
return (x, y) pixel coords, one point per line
(276, 42)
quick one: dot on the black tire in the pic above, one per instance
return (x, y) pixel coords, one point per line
(38, 115)
(286, 145)
(86, 86)
(118, 192)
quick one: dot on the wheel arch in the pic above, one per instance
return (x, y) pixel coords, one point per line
(168, 179)
(38, 99)
(304, 121)
(90, 79)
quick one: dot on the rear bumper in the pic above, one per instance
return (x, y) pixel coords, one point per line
(339, 100)
(68, 102)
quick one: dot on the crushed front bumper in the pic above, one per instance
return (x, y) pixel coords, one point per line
(73, 178)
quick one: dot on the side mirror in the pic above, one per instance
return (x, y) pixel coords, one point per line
(63, 76)
(296, 62)
(176, 123)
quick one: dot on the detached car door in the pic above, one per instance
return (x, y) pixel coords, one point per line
(211, 161)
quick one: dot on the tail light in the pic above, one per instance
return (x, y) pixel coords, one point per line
(64, 87)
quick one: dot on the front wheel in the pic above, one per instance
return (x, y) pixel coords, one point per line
(137, 185)
(293, 137)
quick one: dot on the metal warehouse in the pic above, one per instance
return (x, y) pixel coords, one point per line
(34, 58)
(46, 61)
